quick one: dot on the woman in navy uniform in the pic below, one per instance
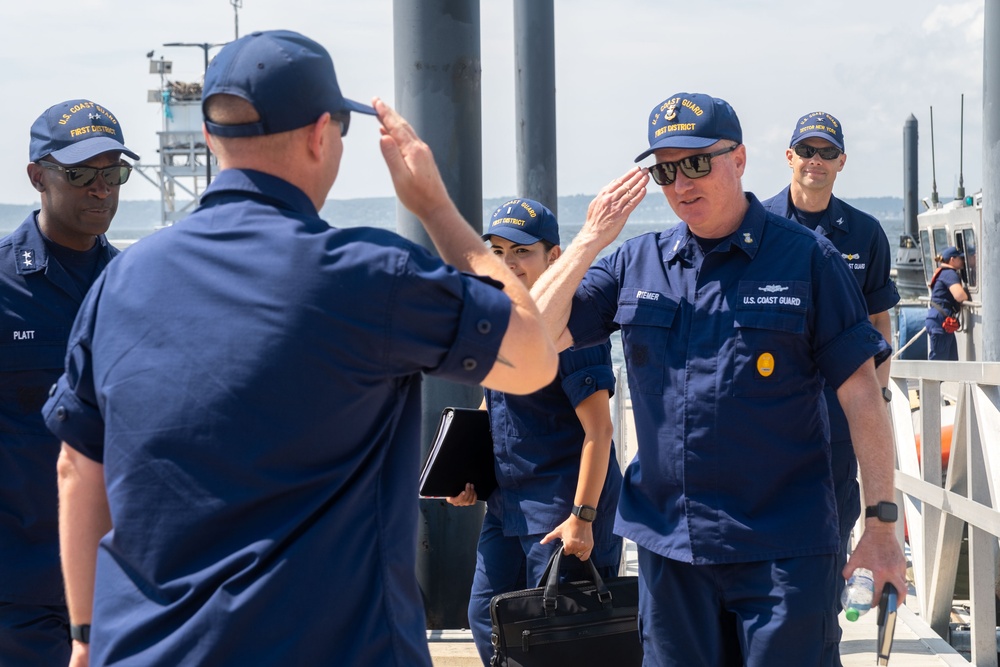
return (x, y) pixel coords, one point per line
(947, 296)
(558, 478)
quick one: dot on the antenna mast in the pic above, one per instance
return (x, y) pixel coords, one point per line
(934, 194)
(960, 193)
(237, 5)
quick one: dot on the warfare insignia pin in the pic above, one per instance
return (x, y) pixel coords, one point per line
(670, 113)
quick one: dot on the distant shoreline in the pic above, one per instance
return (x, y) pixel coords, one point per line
(138, 218)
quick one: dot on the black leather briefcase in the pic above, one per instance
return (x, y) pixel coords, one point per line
(581, 623)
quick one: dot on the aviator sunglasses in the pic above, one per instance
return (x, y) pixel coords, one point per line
(693, 166)
(806, 151)
(81, 177)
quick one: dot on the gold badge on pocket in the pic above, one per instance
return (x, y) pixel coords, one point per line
(765, 364)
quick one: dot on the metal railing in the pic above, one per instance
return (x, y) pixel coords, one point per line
(939, 504)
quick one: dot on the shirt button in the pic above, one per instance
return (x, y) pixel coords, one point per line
(484, 326)
(61, 413)
(469, 364)
(588, 380)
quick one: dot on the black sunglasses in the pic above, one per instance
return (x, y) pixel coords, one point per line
(81, 177)
(693, 166)
(344, 118)
(806, 151)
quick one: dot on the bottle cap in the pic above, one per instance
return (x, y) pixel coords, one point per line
(851, 614)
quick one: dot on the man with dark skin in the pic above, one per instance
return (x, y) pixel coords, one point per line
(46, 267)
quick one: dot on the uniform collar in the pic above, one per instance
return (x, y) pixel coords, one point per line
(31, 253)
(680, 242)
(834, 218)
(261, 186)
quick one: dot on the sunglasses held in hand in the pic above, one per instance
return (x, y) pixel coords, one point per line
(81, 177)
(806, 151)
(693, 166)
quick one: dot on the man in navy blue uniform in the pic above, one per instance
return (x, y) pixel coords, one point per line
(816, 154)
(240, 408)
(46, 266)
(731, 322)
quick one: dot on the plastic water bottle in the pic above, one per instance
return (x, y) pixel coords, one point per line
(858, 594)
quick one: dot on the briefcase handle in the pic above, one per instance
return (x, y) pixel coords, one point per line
(550, 596)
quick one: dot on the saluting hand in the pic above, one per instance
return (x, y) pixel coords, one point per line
(414, 173)
(613, 205)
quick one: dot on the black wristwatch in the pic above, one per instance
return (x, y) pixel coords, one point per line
(585, 512)
(884, 511)
(80, 633)
(886, 394)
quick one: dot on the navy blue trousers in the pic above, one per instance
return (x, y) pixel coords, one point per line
(756, 614)
(943, 347)
(34, 635)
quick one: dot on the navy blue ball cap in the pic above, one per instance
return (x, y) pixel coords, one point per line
(691, 120)
(287, 77)
(819, 124)
(951, 252)
(74, 131)
(523, 221)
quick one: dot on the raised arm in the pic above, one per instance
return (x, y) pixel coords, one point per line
(527, 360)
(606, 216)
(84, 519)
(878, 550)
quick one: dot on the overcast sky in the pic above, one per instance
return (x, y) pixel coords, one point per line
(870, 63)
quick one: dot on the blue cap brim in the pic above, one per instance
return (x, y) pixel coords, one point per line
(513, 235)
(819, 135)
(351, 105)
(677, 142)
(84, 150)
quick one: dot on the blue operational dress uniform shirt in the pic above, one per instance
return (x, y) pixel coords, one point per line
(537, 441)
(943, 345)
(38, 301)
(250, 380)
(727, 354)
(537, 444)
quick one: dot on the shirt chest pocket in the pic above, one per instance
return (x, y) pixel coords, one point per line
(645, 326)
(771, 355)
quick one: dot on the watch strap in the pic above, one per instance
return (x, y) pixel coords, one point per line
(585, 512)
(80, 633)
(884, 511)
(886, 394)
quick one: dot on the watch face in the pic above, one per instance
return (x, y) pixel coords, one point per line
(885, 512)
